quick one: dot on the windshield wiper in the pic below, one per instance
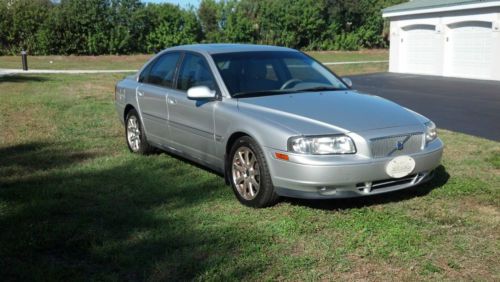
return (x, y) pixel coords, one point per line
(262, 93)
(320, 88)
(284, 91)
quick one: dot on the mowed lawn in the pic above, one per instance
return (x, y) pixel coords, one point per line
(76, 205)
(136, 61)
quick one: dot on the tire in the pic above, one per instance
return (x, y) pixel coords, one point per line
(249, 174)
(134, 134)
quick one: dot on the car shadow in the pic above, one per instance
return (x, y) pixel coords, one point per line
(183, 159)
(440, 178)
(22, 78)
(131, 218)
(35, 156)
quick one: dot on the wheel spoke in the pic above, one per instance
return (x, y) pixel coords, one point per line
(241, 158)
(244, 187)
(239, 168)
(254, 183)
(252, 161)
(250, 188)
(247, 158)
(239, 179)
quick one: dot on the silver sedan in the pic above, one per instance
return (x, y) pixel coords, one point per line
(275, 122)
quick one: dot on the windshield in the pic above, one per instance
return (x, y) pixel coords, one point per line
(273, 72)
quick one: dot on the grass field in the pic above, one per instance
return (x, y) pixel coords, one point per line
(76, 205)
(136, 61)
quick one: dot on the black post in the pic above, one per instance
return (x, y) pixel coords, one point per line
(24, 59)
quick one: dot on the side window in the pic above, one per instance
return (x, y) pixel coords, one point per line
(163, 70)
(195, 72)
(144, 74)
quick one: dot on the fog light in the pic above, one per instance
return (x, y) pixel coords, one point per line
(327, 190)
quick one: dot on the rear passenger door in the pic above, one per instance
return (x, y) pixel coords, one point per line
(191, 122)
(157, 81)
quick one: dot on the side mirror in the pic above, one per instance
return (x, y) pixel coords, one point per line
(347, 81)
(200, 92)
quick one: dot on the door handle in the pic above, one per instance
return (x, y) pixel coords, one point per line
(140, 93)
(172, 101)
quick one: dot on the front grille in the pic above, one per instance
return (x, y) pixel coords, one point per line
(388, 146)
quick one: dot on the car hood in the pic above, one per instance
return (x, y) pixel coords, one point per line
(347, 111)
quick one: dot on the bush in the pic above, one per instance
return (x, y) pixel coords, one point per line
(94, 27)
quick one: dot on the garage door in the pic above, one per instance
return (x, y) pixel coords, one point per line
(420, 49)
(471, 45)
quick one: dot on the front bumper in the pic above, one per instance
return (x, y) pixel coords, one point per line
(348, 176)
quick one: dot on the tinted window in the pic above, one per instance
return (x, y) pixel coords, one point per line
(145, 72)
(194, 72)
(264, 71)
(163, 70)
(300, 69)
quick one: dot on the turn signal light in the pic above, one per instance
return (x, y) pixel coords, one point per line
(281, 156)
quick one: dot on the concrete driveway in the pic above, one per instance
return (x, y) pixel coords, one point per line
(463, 105)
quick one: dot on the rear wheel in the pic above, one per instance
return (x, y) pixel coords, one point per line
(134, 134)
(250, 178)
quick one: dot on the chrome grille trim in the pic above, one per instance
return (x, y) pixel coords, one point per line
(387, 146)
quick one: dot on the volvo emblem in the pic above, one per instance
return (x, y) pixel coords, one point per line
(400, 145)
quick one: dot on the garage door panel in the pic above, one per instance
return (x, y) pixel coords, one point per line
(471, 49)
(420, 49)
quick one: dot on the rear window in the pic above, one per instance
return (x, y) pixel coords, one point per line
(161, 72)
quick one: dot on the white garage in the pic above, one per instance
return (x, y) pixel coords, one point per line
(457, 38)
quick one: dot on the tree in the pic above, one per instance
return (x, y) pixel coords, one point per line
(171, 26)
(93, 27)
(21, 20)
(209, 21)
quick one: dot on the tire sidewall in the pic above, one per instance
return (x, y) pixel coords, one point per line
(143, 146)
(266, 195)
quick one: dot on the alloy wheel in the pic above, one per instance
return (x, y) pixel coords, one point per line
(133, 134)
(246, 173)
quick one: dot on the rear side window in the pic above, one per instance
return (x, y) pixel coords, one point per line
(162, 71)
(195, 72)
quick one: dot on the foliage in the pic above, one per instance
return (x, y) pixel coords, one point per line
(129, 26)
(20, 21)
(171, 26)
(305, 24)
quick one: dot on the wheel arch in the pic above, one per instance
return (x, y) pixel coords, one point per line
(127, 109)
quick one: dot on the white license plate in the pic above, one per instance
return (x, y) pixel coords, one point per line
(400, 166)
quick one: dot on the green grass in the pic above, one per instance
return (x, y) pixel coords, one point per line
(76, 62)
(136, 61)
(354, 69)
(76, 205)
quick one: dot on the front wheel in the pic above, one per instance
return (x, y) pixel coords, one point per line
(250, 178)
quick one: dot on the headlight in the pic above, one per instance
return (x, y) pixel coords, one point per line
(321, 145)
(431, 132)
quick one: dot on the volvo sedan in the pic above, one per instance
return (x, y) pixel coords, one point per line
(275, 122)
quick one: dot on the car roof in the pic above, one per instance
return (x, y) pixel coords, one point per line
(219, 48)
